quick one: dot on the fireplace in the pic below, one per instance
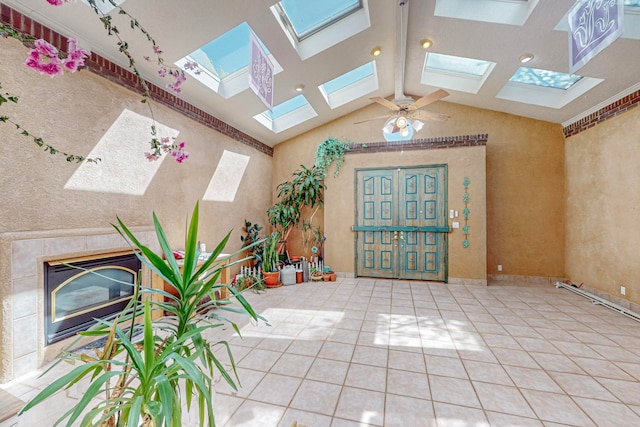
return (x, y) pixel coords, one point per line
(79, 290)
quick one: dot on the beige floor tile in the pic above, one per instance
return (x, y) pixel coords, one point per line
(316, 396)
(366, 377)
(608, 414)
(307, 419)
(249, 379)
(276, 389)
(533, 379)
(505, 399)
(454, 415)
(582, 386)
(295, 365)
(446, 366)
(260, 360)
(556, 363)
(331, 371)
(337, 351)
(601, 368)
(305, 347)
(556, 408)
(453, 390)
(370, 356)
(256, 414)
(501, 341)
(627, 391)
(487, 372)
(497, 419)
(361, 405)
(406, 383)
(224, 407)
(407, 361)
(401, 411)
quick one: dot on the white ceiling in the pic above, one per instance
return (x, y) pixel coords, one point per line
(181, 26)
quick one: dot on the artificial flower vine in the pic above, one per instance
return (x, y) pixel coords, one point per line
(47, 60)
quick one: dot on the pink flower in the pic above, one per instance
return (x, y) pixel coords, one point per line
(51, 68)
(57, 2)
(162, 72)
(45, 48)
(75, 57)
(146, 58)
(164, 139)
(156, 50)
(179, 153)
(151, 157)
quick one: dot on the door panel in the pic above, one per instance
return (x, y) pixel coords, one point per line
(401, 223)
(376, 196)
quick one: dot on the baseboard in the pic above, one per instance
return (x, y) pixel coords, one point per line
(469, 282)
(511, 279)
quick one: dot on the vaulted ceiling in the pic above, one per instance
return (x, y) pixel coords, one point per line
(497, 31)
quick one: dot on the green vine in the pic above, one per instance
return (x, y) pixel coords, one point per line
(330, 150)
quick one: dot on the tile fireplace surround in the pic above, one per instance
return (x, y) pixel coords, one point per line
(22, 348)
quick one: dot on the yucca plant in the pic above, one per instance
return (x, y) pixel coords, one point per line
(147, 382)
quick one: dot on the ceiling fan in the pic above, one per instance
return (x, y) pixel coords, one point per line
(405, 111)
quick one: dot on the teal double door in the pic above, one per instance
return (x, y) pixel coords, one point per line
(401, 224)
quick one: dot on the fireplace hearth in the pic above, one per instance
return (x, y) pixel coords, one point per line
(78, 291)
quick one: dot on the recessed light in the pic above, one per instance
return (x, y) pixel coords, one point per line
(426, 43)
(299, 88)
(526, 57)
(376, 51)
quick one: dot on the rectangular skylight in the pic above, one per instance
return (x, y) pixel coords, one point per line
(286, 115)
(457, 64)
(349, 78)
(351, 85)
(308, 17)
(632, 3)
(226, 54)
(545, 78)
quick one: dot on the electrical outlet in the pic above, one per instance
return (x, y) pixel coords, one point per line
(623, 290)
(499, 267)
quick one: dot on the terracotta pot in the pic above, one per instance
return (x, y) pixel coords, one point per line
(334, 277)
(271, 280)
(326, 277)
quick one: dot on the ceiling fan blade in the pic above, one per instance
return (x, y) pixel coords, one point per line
(374, 118)
(426, 100)
(428, 115)
(390, 105)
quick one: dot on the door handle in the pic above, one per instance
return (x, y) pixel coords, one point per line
(402, 236)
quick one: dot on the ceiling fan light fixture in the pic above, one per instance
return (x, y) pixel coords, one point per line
(388, 127)
(417, 125)
(404, 132)
(401, 122)
(526, 57)
(376, 51)
(426, 43)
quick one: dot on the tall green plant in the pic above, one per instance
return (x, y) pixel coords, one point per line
(147, 383)
(271, 253)
(330, 150)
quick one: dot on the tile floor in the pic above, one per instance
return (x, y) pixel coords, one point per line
(391, 353)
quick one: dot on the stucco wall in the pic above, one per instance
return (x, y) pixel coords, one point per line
(72, 112)
(603, 206)
(524, 179)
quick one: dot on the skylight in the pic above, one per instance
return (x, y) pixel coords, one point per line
(545, 78)
(545, 88)
(455, 72)
(223, 63)
(351, 85)
(286, 115)
(314, 26)
(458, 64)
(632, 3)
(308, 17)
(226, 54)
(512, 12)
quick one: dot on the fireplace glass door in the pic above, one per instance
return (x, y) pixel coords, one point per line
(95, 288)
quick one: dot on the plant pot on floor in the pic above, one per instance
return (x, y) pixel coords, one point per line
(271, 280)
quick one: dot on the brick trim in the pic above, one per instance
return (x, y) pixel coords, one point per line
(620, 106)
(125, 78)
(420, 144)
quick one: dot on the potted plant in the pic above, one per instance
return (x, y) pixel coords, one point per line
(249, 281)
(330, 150)
(155, 380)
(270, 260)
(316, 275)
(251, 236)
